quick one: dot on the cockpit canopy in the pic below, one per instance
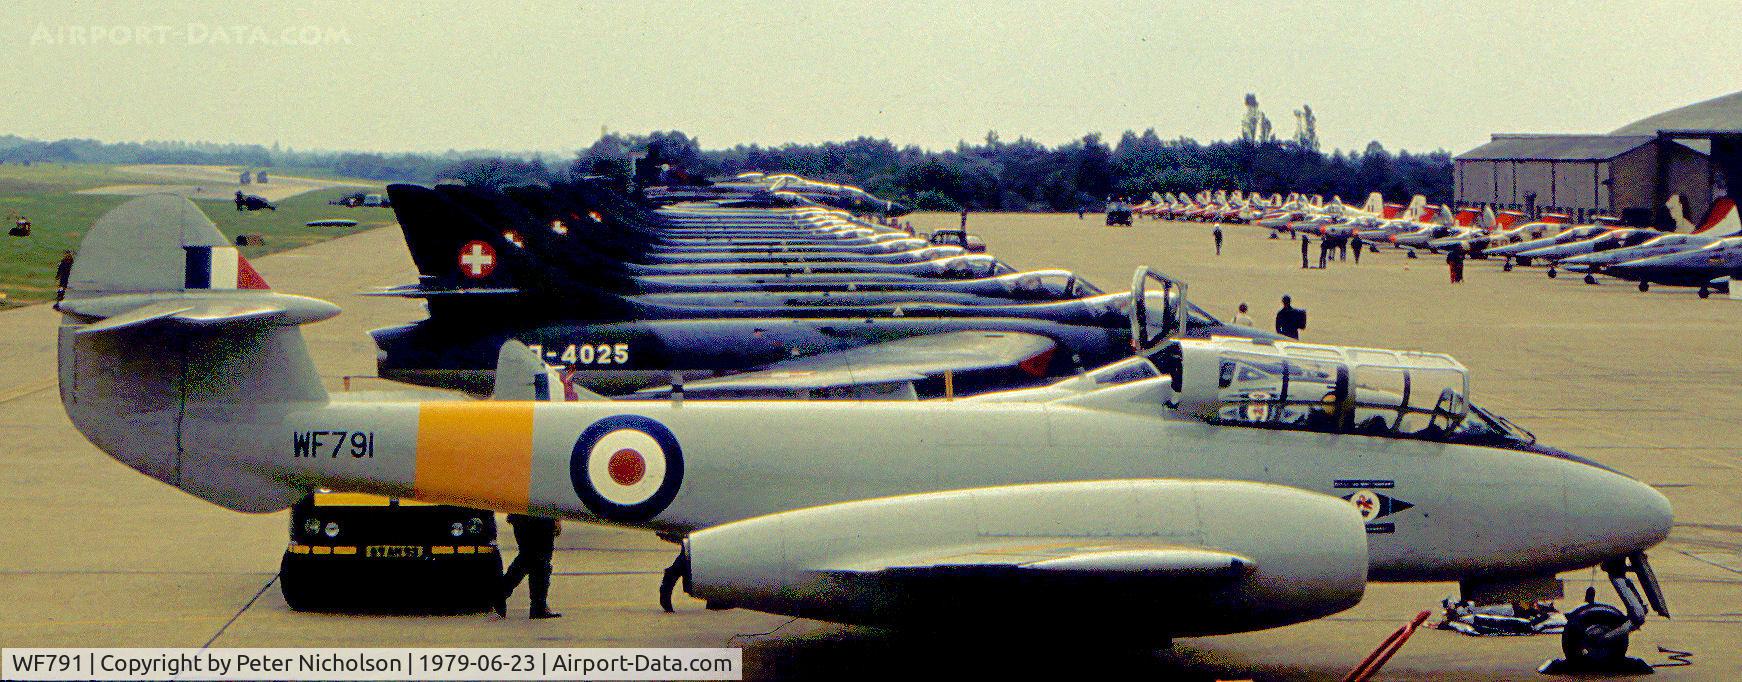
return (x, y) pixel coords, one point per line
(1048, 285)
(1725, 244)
(1335, 389)
(972, 266)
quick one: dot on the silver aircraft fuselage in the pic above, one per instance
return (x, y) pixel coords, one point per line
(1472, 511)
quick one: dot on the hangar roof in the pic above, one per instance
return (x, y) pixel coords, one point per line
(1719, 114)
(1521, 147)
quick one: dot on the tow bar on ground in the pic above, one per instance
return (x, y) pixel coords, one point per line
(1374, 661)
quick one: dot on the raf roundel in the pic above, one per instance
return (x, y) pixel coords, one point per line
(626, 468)
(477, 259)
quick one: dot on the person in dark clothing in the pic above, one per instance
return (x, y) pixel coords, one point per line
(241, 202)
(964, 219)
(1358, 246)
(536, 536)
(62, 273)
(1324, 251)
(1342, 248)
(1218, 234)
(1455, 263)
(1290, 320)
(1303, 252)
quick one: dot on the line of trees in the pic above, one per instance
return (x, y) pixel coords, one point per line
(385, 167)
(1026, 176)
(994, 174)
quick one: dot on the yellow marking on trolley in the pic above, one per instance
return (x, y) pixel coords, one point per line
(320, 550)
(344, 550)
(360, 500)
(299, 549)
(475, 453)
(441, 549)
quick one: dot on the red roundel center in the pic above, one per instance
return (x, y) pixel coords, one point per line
(627, 467)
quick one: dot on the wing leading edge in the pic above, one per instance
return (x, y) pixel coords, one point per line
(890, 367)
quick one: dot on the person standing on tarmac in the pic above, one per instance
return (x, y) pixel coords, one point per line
(1324, 251)
(1290, 320)
(1455, 263)
(1241, 318)
(536, 536)
(1358, 246)
(62, 273)
(1303, 252)
(1218, 234)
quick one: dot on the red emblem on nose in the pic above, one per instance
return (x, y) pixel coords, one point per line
(626, 467)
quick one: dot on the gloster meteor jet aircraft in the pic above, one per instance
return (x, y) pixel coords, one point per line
(1211, 486)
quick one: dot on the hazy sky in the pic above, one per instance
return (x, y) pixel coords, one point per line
(430, 76)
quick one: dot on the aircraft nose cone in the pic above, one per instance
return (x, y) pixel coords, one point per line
(1611, 515)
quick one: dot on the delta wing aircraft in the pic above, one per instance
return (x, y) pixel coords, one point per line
(1214, 486)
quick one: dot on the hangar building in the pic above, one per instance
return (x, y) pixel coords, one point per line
(1630, 173)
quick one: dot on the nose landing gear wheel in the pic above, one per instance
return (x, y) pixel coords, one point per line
(1595, 641)
(1552, 274)
(1705, 292)
(1590, 279)
(1644, 286)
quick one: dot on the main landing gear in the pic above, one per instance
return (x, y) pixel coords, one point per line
(679, 570)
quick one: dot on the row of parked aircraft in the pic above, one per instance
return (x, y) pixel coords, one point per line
(764, 294)
(1706, 256)
(1065, 495)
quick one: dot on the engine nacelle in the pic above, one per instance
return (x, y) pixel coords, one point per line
(1143, 559)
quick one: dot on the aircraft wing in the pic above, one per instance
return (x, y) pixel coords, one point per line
(418, 291)
(186, 312)
(890, 364)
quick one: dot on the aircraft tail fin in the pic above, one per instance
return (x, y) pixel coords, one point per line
(1678, 212)
(165, 327)
(1721, 220)
(1417, 205)
(468, 267)
(1375, 204)
(522, 375)
(450, 258)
